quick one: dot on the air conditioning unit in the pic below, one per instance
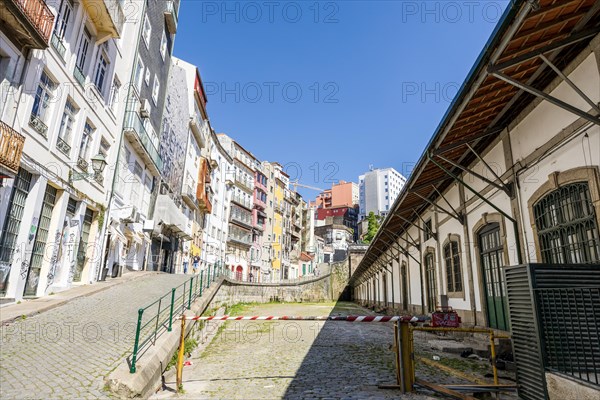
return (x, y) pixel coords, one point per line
(145, 108)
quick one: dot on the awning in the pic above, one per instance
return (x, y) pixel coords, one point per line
(117, 234)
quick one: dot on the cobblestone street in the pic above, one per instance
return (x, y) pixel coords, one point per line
(66, 352)
(293, 360)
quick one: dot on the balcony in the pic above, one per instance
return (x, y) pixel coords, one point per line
(107, 16)
(11, 148)
(259, 203)
(173, 220)
(82, 164)
(188, 194)
(241, 201)
(244, 183)
(201, 189)
(198, 126)
(59, 46)
(79, 76)
(243, 239)
(137, 135)
(278, 208)
(245, 221)
(63, 146)
(38, 125)
(27, 22)
(171, 17)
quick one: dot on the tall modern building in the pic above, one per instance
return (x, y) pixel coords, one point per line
(378, 190)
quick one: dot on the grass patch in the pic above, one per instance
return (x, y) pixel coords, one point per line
(188, 346)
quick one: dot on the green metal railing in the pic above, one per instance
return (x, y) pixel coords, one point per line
(157, 317)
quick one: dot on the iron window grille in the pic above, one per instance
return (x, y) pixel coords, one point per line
(567, 227)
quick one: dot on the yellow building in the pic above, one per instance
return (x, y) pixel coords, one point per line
(277, 239)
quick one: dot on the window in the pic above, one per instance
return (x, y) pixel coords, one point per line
(43, 97)
(163, 46)
(104, 147)
(82, 53)
(147, 77)
(101, 71)
(65, 131)
(84, 147)
(155, 89)
(62, 21)
(567, 227)
(453, 271)
(147, 31)
(114, 93)
(428, 232)
(139, 73)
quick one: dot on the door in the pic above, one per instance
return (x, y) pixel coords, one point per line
(430, 284)
(491, 256)
(239, 273)
(39, 245)
(12, 224)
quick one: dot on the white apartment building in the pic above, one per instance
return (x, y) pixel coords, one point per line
(216, 226)
(378, 189)
(61, 80)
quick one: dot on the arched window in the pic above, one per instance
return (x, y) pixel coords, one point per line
(566, 226)
(453, 271)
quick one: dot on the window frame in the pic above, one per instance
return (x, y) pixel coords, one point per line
(453, 264)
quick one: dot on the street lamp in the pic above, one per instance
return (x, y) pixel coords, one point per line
(98, 165)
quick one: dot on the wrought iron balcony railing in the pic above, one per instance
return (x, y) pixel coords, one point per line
(11, 148)
(35, 16)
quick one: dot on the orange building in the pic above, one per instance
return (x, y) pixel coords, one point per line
(341, 194)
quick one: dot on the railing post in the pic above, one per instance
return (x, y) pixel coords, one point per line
(190, 296)
(171, 310)
(183, 299)
(208, 278)
(157, 319)
(201, 283)
(137, 340)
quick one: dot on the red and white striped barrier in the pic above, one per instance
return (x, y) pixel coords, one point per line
(347, 318)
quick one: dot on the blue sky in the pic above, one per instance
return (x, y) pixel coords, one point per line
(328, 88)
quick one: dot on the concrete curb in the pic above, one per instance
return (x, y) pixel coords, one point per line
(58, 303)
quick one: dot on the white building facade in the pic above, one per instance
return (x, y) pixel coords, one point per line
(378, 189)
(62, 98)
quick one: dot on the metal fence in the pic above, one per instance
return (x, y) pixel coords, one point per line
(570, 331)
(157, 317)
(555, 324)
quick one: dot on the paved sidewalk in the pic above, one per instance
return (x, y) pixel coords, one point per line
(28, 308)
(67, 351)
